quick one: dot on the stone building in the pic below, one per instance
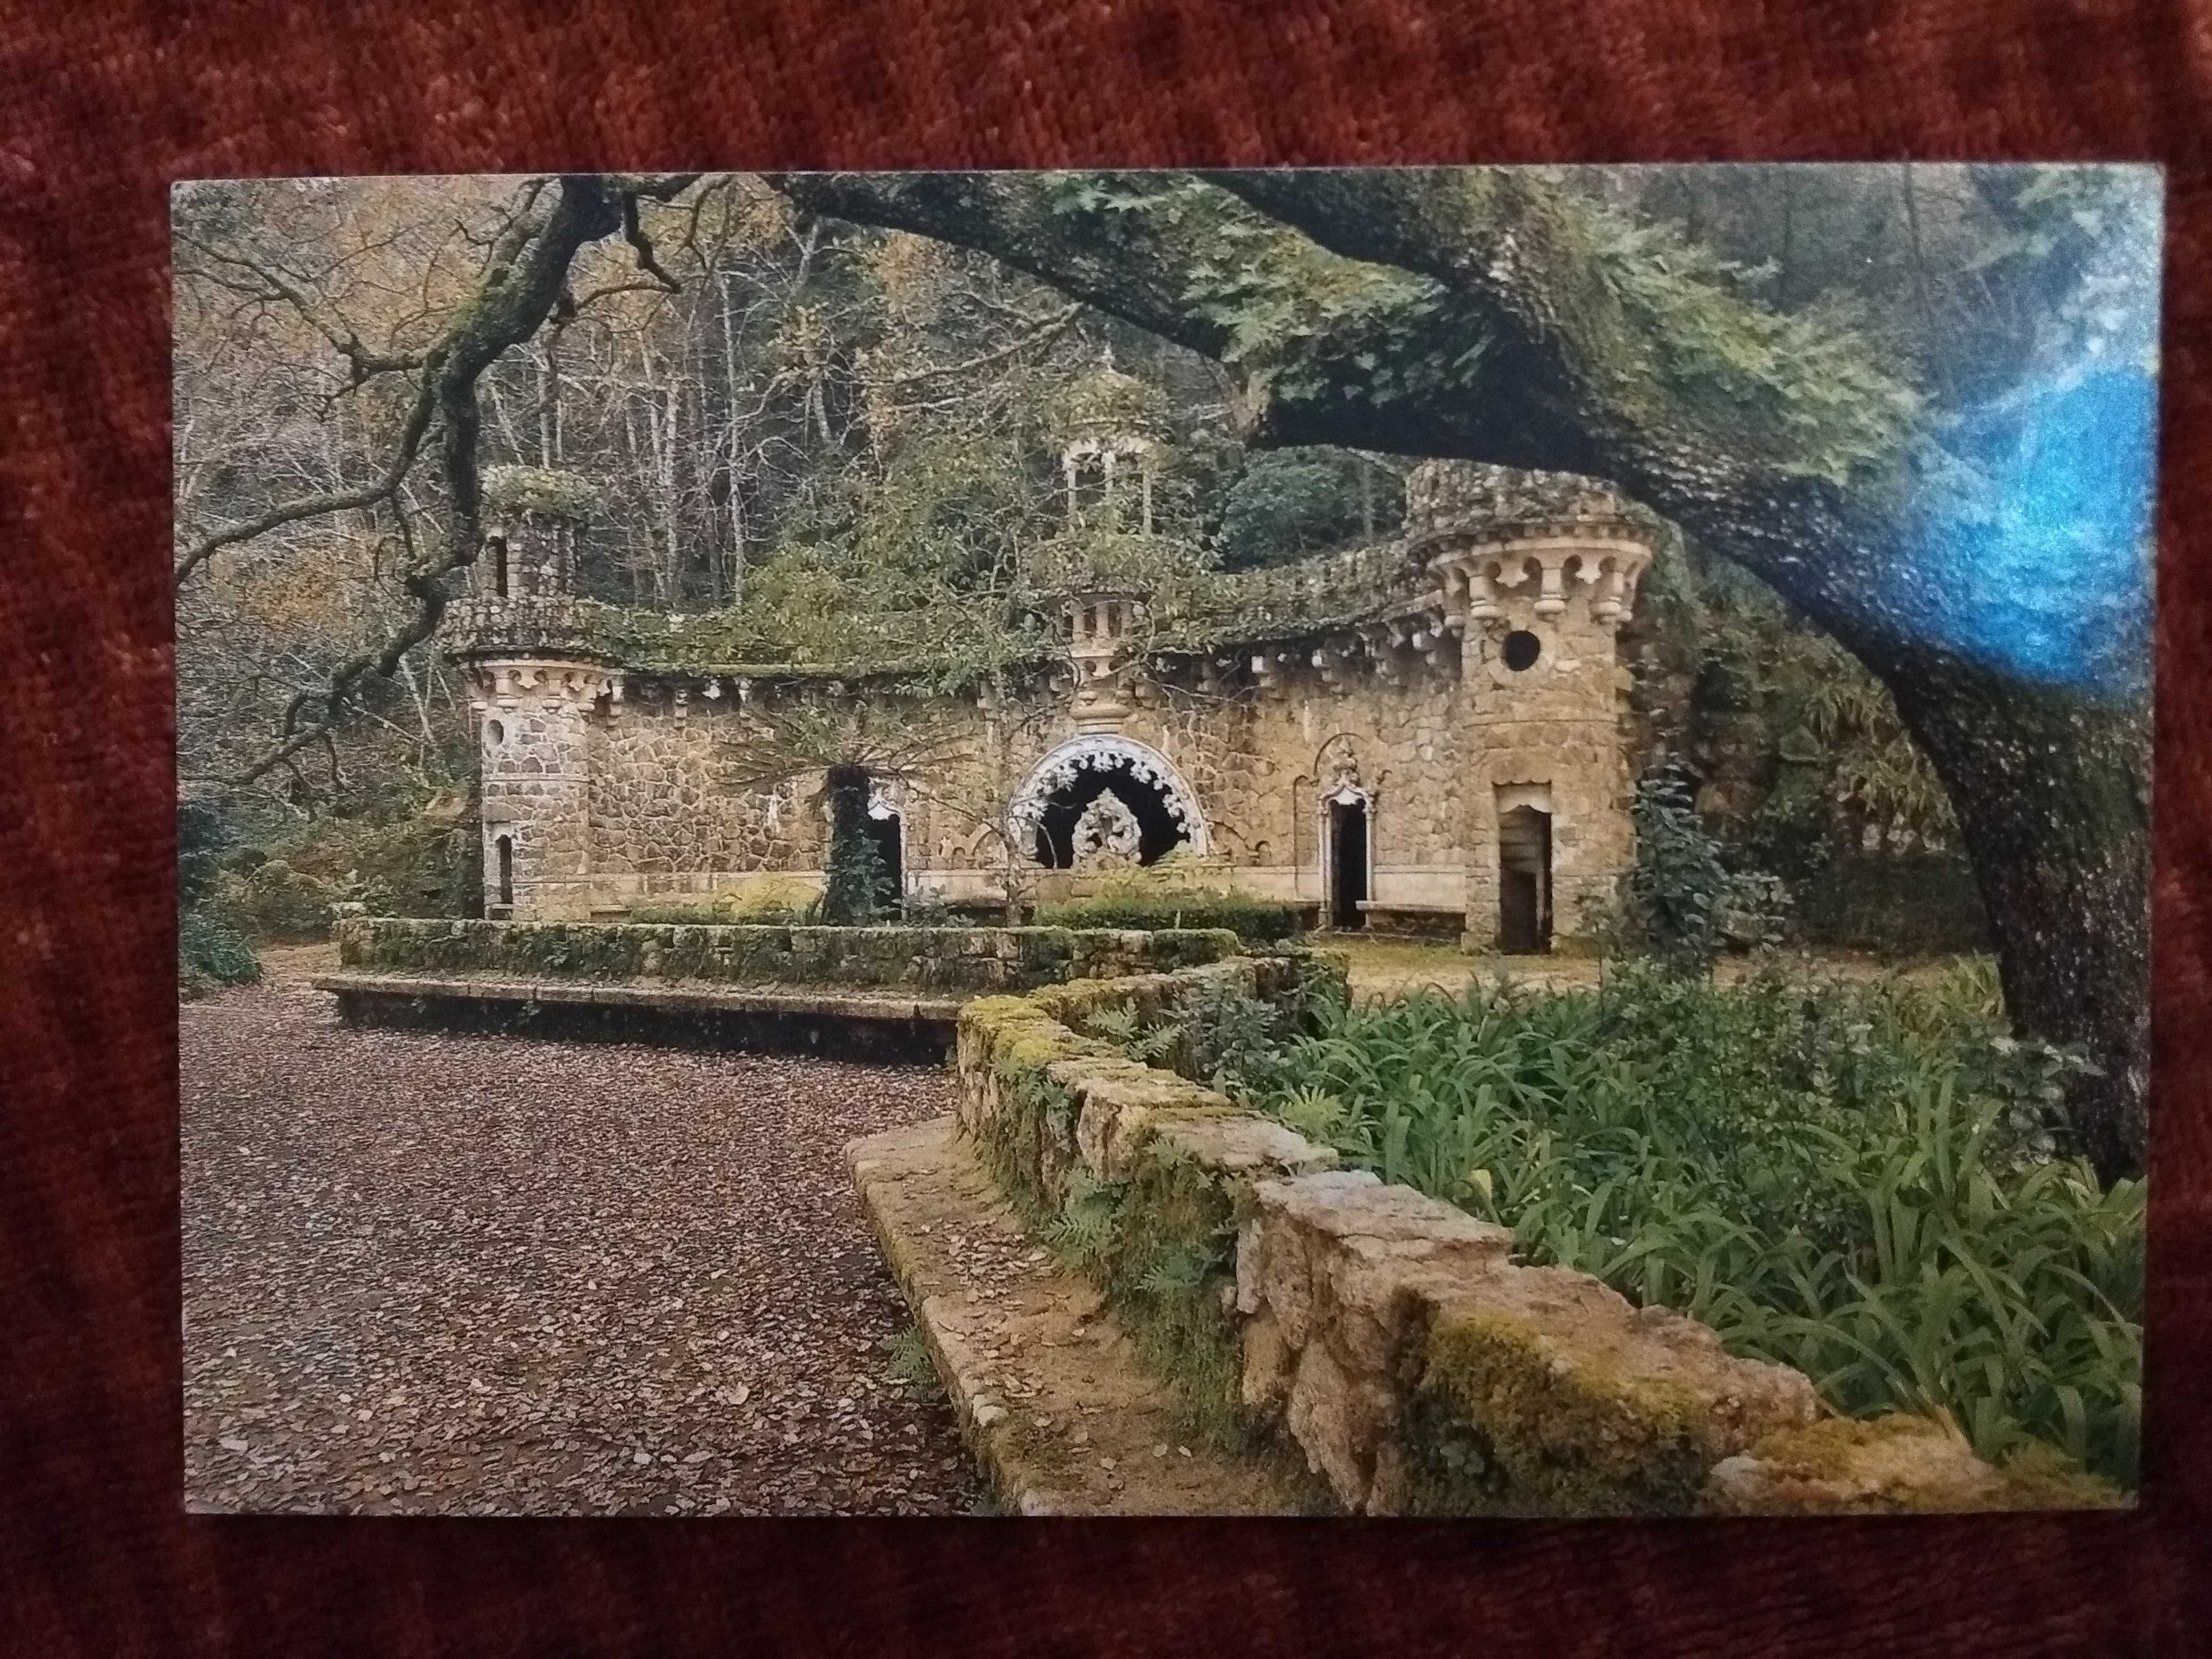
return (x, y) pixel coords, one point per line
(1431, 733)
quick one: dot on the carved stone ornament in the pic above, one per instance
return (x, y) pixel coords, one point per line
(1106, 752)
(1106, 835)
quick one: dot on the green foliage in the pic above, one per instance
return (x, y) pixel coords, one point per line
(1806, 385)
(1867, 1181)
(1178, 891)
(1264, 921)
(853, 884)
(765, 900)
(1161, 1246)
(1288, 503)
(1676, 892)
(1896, 906)
(910, 1362)
(279, 903)
(538, 489)
(212, 952)
(1214, 1031)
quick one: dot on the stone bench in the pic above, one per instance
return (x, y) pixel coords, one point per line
(819, 1018)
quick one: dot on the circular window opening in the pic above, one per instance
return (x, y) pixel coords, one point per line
(1522, 650)
(494, 734)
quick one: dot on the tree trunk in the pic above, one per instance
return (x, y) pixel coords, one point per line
(2052, 793)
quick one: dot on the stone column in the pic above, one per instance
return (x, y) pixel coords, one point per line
(533, 717)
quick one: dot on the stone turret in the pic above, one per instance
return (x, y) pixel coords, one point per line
(537, 681)
(1537, 572)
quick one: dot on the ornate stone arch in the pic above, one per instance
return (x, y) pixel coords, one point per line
(1106, 751)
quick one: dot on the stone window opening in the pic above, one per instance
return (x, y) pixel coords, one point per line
(1521, 650)
(494, 734)
(503, 851)
(496, 545)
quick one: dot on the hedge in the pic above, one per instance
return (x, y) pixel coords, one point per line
(1264, 921)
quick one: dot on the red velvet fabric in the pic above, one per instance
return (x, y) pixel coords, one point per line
(105, 104)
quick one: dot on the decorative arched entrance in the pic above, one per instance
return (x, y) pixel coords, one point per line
(1071, 780)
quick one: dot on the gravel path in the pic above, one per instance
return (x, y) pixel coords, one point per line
(438, 1273)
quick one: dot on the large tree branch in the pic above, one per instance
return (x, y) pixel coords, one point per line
(312, 506)
(525, 276)
(1491, 315)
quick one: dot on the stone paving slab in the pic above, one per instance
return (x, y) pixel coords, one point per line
(1050, 1394)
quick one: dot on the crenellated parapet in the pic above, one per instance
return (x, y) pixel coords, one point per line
(1481, 578)
(552, 624)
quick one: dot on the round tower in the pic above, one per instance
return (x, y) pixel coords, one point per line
(1538, 571)
(537, 680)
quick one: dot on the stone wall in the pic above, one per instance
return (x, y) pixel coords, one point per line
(1390, 1338)
(618, 786)
(969, 959)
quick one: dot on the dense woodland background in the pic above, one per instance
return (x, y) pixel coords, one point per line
(834, 428)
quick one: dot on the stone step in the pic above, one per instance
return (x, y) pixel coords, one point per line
(1051, 1395)
(826, 1002)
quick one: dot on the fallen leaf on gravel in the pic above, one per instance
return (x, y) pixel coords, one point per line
(406, 1218)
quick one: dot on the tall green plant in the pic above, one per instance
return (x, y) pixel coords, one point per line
(853, 883)
(1864, 1182)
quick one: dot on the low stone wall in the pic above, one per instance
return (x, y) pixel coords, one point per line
(1388, 1336)
(954, 959)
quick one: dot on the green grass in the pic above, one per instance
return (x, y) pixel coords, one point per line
(1867, 1181)
(910, 1362)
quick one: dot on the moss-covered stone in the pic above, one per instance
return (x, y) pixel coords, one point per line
(932, 958)
(1898, 1464)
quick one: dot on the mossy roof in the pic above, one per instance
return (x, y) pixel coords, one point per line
(1192, 611)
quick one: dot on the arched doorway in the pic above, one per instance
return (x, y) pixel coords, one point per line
(1349, 834)
(1069, 782)
(886, 834)
(1524, 881)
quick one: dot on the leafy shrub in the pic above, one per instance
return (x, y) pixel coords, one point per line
(1681, 901)
(1896, 905)
(1213, 1032)
(1180, 890)
(426, 861)
(278, 901)
(856, 883)
(766, 902)
(1263, 921)
(211, 953)
(1676, 891)
(211, 950)
(926, 907)
(1864, 1182)
(1286, 504)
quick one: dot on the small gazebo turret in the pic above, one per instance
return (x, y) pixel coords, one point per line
(1110, 427)
(531, 517)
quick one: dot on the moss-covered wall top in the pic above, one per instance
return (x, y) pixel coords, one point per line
(1193, 608)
